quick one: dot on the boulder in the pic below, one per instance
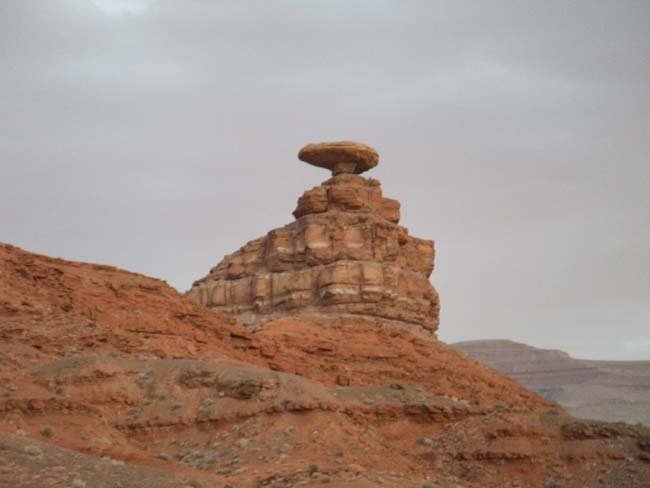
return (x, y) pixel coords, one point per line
(340, 157)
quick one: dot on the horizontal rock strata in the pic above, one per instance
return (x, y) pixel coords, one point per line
(344, 253)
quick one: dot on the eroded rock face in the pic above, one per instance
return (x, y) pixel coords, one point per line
(344, 253)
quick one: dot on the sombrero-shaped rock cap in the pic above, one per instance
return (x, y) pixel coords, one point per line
(340, 157)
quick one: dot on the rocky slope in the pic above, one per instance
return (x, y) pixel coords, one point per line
(605, 390)
(297, 403)
(108, 378)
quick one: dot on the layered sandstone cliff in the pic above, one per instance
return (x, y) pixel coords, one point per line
(345, 254)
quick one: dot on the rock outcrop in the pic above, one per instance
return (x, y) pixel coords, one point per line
(345, 253)
(340, 157)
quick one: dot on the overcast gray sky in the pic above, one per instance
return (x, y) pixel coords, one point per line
(160, 135)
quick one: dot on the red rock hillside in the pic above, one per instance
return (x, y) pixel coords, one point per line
(113, 379)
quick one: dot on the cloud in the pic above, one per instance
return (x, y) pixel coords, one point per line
(123, 7)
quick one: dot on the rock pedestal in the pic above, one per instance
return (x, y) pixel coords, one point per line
(344, 254)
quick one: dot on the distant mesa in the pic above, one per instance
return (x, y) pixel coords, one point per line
(603, 390)
(340, 321)
(340, 157)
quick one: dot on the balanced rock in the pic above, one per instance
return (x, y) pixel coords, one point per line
(344, 254)
(340, 157)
